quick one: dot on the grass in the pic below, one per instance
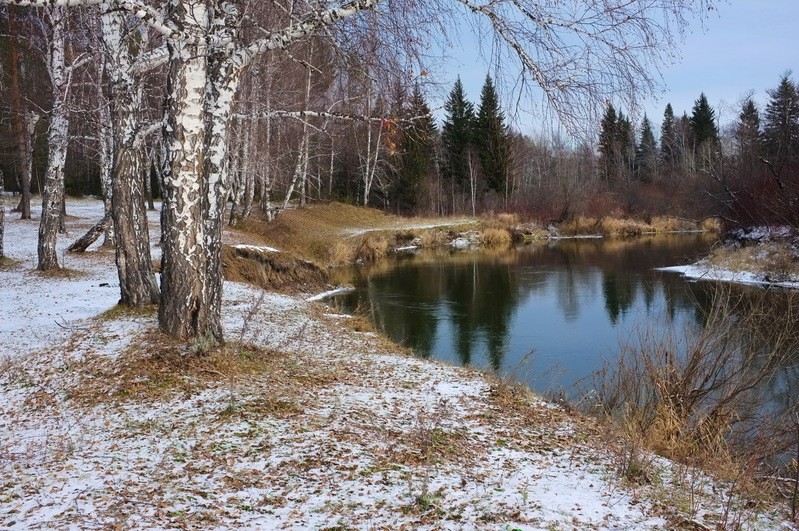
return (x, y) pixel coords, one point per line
(158, 367)
(778, 262)
(62, 272)
(119, 311)
(697, 398)
(495, 238)
(626, 227)
(7, 264)
(338, 234)
(272, 271)
(312, 233)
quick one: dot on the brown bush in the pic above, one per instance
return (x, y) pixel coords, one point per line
(495, 238)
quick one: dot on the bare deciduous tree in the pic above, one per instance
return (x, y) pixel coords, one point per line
(578, 53)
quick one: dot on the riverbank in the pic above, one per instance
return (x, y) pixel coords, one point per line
(761, 256)
(335, 234)
(305, 419)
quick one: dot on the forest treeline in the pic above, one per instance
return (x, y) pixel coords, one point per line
(329, 124)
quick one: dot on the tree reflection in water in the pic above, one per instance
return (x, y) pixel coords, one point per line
(567, 301)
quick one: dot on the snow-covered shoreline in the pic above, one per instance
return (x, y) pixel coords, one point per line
(702, 271)
(334, 429)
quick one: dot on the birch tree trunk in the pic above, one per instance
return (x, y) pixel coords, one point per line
(106, 167)
(53, 193)
(31, 119)
(184, 310)
(202, 82)
(137, 282)
(245, 165)
(2, 215)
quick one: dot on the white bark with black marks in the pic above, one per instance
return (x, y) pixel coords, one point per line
(53, 193)
(137, 281)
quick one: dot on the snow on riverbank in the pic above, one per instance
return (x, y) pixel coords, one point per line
(701, 271)
(327, 428)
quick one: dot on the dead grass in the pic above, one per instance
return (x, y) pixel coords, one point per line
(7, 264)
(272, 271)
(312, 233)
(158, 367)
(698, 398)
(372, 249)
(495, 238)
(62, 272)
(626, 227)
(777, 261)
(119, 311)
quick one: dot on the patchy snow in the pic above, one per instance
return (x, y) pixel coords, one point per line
(40, 309)
(257, 248)
(332, 431)
(341, 290)
(409, 226)
(764, 233)
(702, 271)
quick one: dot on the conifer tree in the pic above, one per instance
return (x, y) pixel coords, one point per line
(646, 154)
(608, 149)
(748, 137)
(669, 152)
(781, 125)
(626, 145)
(458, 134)
(492, 140)
(417, 152)
(703, 122)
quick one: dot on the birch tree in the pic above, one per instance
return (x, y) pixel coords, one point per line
(53, 193)
(578, 53)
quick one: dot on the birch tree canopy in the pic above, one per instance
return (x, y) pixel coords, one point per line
(578, 53)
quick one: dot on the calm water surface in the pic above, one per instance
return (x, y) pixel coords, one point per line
(546, 314)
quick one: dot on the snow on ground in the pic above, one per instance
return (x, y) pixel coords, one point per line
(399, 225)
(331, 428)
(702, 271)
(39, 310)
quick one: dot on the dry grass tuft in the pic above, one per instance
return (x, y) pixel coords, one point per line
(272, 271)
(711, 225)
(7, 264)
(120, 310)
(434, 238)
(372, 248)
(342, 253)
(61, 272)
(495, 238)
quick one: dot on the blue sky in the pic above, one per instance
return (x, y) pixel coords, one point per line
(746, 45)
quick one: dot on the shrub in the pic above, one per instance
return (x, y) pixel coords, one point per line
(495, 238)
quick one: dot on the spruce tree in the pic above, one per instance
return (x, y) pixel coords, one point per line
(646, 154)
(457, 135)
(781, 125)
(748, 137)
(492, 140)
(608, 152)
(669, 151)
(626, 145)
(703, 122)
(417, 152)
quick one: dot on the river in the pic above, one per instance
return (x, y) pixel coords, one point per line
(547, 314)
